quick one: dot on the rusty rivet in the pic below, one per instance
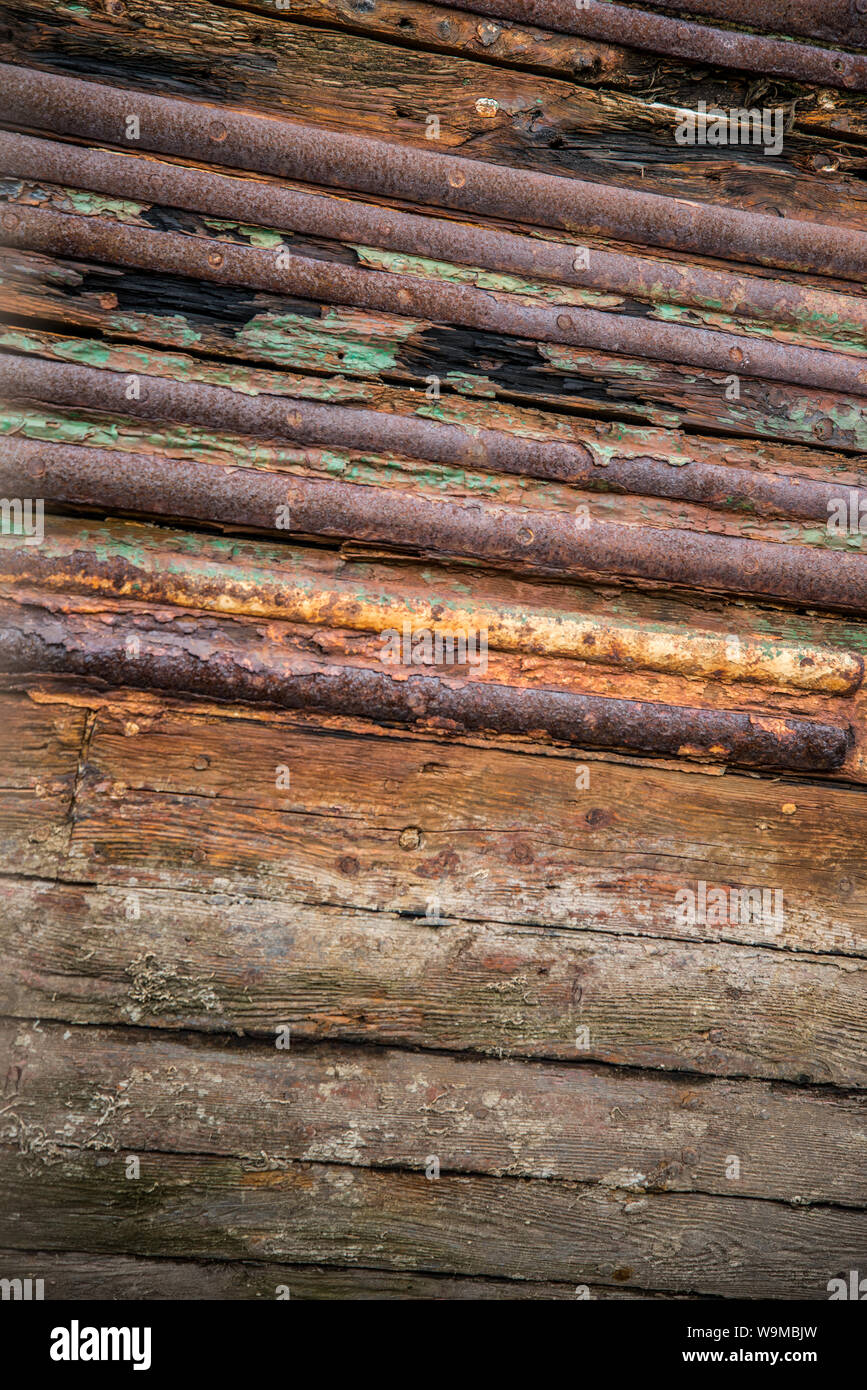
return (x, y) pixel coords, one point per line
(215, 258)
(404, 297)
(11, 220)
(349, 865)
(217, 130)
(736, 355)
(564, 321)
(410, 838)
(457, 178)
(293, 419)
(525, 535)
(487, 106)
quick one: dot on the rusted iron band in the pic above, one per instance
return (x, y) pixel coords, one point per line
(842, 21)
(680, 38)
(315, 154)
(289, 584)
(362, 430)
(228, 662)
(553, 544)
(439, 301)
(346, 220)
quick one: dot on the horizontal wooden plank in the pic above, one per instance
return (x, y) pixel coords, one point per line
(70, 1275)
(228, 963)
(122, 1090)
(398, 824)
(213, 1208)
(393, 824)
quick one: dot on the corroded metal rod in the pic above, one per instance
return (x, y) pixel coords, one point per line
(315, 154)
(229, 661)
(441, 301)
(843, 21)
(291, 583)
(273, 204)
(679, 38)
(554, 544)
(411, 436)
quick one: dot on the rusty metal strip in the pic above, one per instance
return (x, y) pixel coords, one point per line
(346, 220)
(229, 662)
(315, 154)
(358, 429)
(680, 38)
(440, 301)
(843, 21)
(286, 583)
(552, 544)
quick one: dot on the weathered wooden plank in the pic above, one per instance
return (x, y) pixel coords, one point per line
(117, 1091)
(211, 1208)
(302, 336)
(381, 89)
(222, 962)
(609, 856)
(70, 1275)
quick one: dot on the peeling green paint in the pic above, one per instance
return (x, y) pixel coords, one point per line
(399, 263)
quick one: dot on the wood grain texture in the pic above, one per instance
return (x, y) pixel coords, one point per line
(392, 823)
(40, 768)
(121, 1091)
(81, 1276)
(215, 1208)
(611, 856)
(474, 942)
(652, 77)
(225, 962)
